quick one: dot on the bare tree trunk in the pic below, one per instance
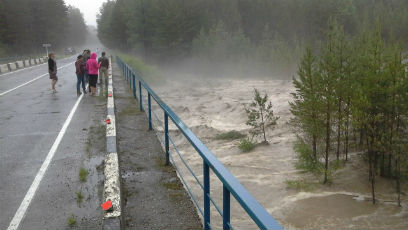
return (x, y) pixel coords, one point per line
(371, 173)
(339, 129)
(314, 147)
(326, 158)
(382, 168)
(263, 126)
(397, 178)
(347, 130)
(361, 137)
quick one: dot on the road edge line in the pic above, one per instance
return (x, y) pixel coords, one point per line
(112, 220)
(22, 209)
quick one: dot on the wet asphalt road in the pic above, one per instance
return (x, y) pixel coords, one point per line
(30, 119)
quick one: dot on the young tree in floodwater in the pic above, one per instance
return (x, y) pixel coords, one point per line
(395, 141)
(329, 67)
(370, 99)
(307, 105)
(260, 115)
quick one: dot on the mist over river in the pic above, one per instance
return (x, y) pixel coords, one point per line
(214, 106)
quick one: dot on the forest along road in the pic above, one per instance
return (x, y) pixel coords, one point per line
(53, 133)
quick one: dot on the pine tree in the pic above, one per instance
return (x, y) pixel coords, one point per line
(307, 104)
(329, 72)
(260, 115)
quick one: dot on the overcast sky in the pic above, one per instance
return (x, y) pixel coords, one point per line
(89, 8)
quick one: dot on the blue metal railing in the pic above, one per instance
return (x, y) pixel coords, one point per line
(230, 184)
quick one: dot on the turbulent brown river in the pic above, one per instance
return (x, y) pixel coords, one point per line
(216, 106)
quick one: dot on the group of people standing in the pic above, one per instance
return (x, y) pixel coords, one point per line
(87, 71)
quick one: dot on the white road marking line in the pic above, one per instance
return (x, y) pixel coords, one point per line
(21, 211)
(28, 82)
(5, 74)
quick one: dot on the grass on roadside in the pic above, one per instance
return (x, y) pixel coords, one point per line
(230, 135)
(83, 173)
(80, 197)
(71, 221)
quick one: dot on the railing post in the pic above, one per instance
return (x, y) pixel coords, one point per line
(134, 85)
(226, 206)
(149, 103)
(206, 172)
(166, 136)
(130, 78)
(127, 74)
(140, 96)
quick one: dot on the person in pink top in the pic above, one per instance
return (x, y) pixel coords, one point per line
(93, 67)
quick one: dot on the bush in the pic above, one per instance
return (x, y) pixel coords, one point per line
(71, 221)
(299, 185)
(246, 145)
(305, 159)
(230, 135)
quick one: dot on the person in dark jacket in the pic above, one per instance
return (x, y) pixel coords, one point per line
(86, 54)
(80, 72)
(103, 70)
(52, 70)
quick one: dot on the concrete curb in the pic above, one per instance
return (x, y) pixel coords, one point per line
(12, 66)
(112, 220)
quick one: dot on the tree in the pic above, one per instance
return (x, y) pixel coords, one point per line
(260, 115)
(329, 67)
(307, 104)
(77, 30)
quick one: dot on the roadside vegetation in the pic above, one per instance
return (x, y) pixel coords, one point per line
(80, 197)
(71, 221)
(83, 174)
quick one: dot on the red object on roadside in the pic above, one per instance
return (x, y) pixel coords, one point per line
(110, 95)
(107, 121)
(107, 206)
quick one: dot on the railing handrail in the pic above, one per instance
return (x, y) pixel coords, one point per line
(258, 213)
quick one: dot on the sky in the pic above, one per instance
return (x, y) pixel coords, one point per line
(89, 8)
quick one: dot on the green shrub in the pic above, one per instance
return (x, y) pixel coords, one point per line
(80, 197)
(83, 173)
(299, 185)
(230, 135)
(305, 159)
(71, 221)
(246, 145)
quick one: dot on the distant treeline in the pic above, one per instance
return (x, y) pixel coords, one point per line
(264, 33)
(27, 24)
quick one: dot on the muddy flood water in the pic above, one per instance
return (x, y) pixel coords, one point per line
(216, 106)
